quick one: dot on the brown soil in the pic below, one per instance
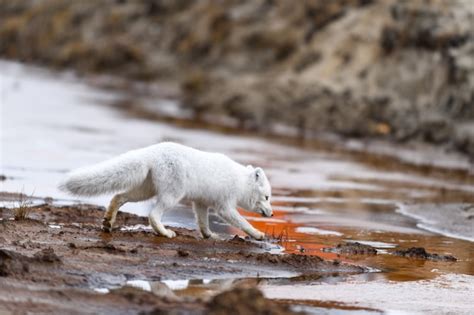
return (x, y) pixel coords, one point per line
(421, 253)
(52, 261)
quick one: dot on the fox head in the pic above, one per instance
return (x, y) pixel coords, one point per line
(260, 193)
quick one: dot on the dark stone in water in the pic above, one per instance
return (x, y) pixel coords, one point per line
(421, 253)
(352, 249)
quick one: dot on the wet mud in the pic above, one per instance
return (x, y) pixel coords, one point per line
(61, 254)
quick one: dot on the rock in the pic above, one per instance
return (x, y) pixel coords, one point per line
(352, 249)
(421, 253)
(47, 255)
(13, 263)
(243, 301)
(182, 253)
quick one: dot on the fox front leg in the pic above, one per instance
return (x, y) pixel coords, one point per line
(233, 217)
(202, 218)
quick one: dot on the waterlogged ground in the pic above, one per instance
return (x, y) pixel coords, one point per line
(322, 196)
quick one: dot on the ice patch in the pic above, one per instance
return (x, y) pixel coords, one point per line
(102, 290)
(313, 230)
(299, 209)
(176, 284)
(137, 227)
(433, 218)
(444, 232)
(139, 284)
(271, 220)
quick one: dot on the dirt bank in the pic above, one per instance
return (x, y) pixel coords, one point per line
(58, 256)
(360, 68)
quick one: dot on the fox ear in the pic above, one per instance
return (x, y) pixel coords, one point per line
(258, 173)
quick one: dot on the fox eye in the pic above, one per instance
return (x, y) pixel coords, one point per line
(266, 197)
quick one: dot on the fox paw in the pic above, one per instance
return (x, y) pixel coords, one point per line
(259, 236)
(169, 233)
(211, 235)
(106, 226)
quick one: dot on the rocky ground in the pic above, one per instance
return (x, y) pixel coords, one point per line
(56, 260)
(399, 70)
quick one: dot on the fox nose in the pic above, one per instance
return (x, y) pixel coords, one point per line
(271, 215)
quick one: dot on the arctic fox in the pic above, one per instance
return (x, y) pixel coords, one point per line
(172, 172)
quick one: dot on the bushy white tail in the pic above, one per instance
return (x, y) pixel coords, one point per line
(118, 174)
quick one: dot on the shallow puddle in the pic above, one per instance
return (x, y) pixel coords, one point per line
(321, 196)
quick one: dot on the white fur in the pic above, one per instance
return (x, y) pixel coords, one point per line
(172, 172)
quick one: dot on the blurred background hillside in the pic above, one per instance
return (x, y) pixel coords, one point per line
(400, 70)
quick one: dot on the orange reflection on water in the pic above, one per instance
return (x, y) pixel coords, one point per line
(283, 231)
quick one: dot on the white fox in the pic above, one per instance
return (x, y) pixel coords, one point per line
(172, 172)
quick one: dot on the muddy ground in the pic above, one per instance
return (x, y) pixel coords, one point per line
(52, 261)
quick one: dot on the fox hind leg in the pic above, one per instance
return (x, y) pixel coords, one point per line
(111, 213)
(140, 193)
